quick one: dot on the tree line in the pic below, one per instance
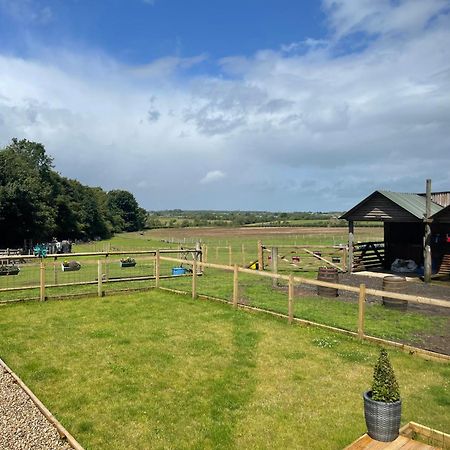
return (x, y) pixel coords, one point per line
(177, 218)
(38, 203)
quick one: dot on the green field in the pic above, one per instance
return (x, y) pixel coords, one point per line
(412, 327)
(159, 370)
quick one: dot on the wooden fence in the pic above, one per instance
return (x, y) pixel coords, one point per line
(304, 257)
(362, 291)
(368, 256)
(193, 258)
(46, 273)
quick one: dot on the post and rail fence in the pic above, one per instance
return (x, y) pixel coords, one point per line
(100, 277)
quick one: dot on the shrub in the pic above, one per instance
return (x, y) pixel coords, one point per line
(384, 386)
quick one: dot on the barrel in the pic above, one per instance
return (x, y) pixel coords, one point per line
(395, 284)
(329, 274)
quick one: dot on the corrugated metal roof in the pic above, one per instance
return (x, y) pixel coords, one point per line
(443, 215)
(413, 203)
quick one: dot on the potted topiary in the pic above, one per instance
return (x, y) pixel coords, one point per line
(382, 404)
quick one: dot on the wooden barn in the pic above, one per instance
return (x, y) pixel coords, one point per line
(416, 227)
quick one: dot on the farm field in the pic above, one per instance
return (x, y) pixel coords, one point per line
(217, 236)
(159, 370)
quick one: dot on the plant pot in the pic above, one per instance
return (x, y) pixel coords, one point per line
(10, 270)
(382, 419)
(127, 264)
(73, 266)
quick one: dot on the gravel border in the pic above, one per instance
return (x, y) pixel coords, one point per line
(22, 424)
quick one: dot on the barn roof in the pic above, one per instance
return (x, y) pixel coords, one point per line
(390, 206)
(443, 215)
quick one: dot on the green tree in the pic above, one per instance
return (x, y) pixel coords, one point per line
(126, 213)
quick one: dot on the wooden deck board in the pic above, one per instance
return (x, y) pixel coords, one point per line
(401, 443)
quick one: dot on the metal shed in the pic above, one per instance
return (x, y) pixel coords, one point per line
(415, 228)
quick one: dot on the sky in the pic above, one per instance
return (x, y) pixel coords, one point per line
(278, 105)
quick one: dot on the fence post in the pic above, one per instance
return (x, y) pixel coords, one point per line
(260, 256)
(205, 255)
(235, 285)
(106, 268)
(291, 298)
(229, 255)
(351, 239)
(243, 255)
(361, 310)
(194, 279)
(42, 281)
(55, 270)
(99, 278)
(157, 268)
(274, 256)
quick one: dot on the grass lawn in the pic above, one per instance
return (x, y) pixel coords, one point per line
(158, 370)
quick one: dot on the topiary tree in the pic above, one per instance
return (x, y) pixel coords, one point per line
(384, 387)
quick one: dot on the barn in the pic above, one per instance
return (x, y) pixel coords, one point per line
(416, 227)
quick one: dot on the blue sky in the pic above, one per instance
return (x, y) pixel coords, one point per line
(138, 31)
(275, 105)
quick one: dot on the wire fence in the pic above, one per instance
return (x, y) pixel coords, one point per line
(355, 311)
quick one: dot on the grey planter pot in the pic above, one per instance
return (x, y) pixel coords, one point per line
(382, 419)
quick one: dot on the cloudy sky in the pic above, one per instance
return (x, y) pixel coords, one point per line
(238, 104)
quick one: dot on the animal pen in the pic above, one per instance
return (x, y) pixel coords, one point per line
(356, 312)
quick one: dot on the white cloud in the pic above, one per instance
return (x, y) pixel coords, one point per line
(27, 11)
(290, 129)
(212, 176)
(381, 16)
(164, 67)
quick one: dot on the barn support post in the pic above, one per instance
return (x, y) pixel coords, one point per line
(427, 237)
(351, 239)
(274, 264)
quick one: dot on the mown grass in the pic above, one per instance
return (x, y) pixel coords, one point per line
(159, 370)
(337, 312)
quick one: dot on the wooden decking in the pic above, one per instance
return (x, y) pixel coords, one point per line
(413, 436)
(402, 442)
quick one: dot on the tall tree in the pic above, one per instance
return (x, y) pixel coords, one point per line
(38, 203)
(125, 209)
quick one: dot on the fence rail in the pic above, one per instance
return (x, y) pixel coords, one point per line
(368, 256)
(362, 292)
(102, 270)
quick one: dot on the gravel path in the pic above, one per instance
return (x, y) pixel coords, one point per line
(22, 425)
